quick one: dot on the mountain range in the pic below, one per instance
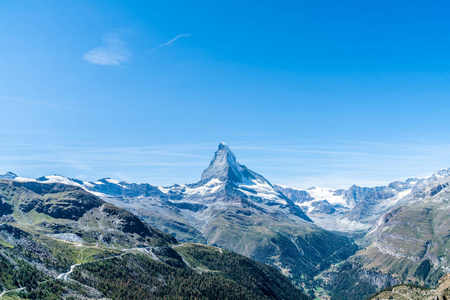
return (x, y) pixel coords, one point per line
(58, 241)
(338, 243)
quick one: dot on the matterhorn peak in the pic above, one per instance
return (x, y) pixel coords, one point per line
(223, 166)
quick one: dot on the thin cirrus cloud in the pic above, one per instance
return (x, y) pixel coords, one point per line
(114, 51)
(293, 163)
(32, 102)
(171, 41)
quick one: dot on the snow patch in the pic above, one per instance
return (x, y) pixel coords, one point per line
(327, 194)
(388, 203)
(112, 181)
(258, 188)
(164, 190)
(210, 187)
(24, 179)
(60, 179)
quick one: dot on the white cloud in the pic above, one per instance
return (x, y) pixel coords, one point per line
(113, 52)
(171, 41)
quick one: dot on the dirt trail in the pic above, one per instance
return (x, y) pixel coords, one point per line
(65, 276)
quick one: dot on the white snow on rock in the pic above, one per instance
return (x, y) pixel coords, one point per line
(24, 179)
(261, 189)
(60, 179)
(210, 187)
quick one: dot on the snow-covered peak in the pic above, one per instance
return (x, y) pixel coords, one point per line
(442, 173)
(110, 180)
(223, 167)
(60, 179)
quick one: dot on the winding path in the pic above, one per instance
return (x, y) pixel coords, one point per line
(65, 276)
(13, 290)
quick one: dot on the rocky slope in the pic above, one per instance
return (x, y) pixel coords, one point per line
(414, 292)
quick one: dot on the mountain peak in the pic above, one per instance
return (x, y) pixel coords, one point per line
(223, 166)
(222, 145)
(8, 175)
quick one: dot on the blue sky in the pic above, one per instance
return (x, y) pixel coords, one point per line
(306, 93)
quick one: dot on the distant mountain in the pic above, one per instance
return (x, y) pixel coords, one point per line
(408, 243)
(58, 241)
(357, 208)
(8, 175)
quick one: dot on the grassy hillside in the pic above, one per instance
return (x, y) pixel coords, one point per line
(209, 273)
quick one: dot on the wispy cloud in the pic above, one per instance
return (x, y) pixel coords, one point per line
(171, 41)
(336, 164)
(141, 163)
(32, 102)
(113, 52)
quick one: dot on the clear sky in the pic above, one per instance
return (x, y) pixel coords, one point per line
(325, 93)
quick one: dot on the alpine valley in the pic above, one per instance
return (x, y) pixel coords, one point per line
(231, 235)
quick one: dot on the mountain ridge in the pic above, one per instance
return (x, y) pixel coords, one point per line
(358, 208)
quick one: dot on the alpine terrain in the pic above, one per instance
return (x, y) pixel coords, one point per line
(403, 227)
(58, 241)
